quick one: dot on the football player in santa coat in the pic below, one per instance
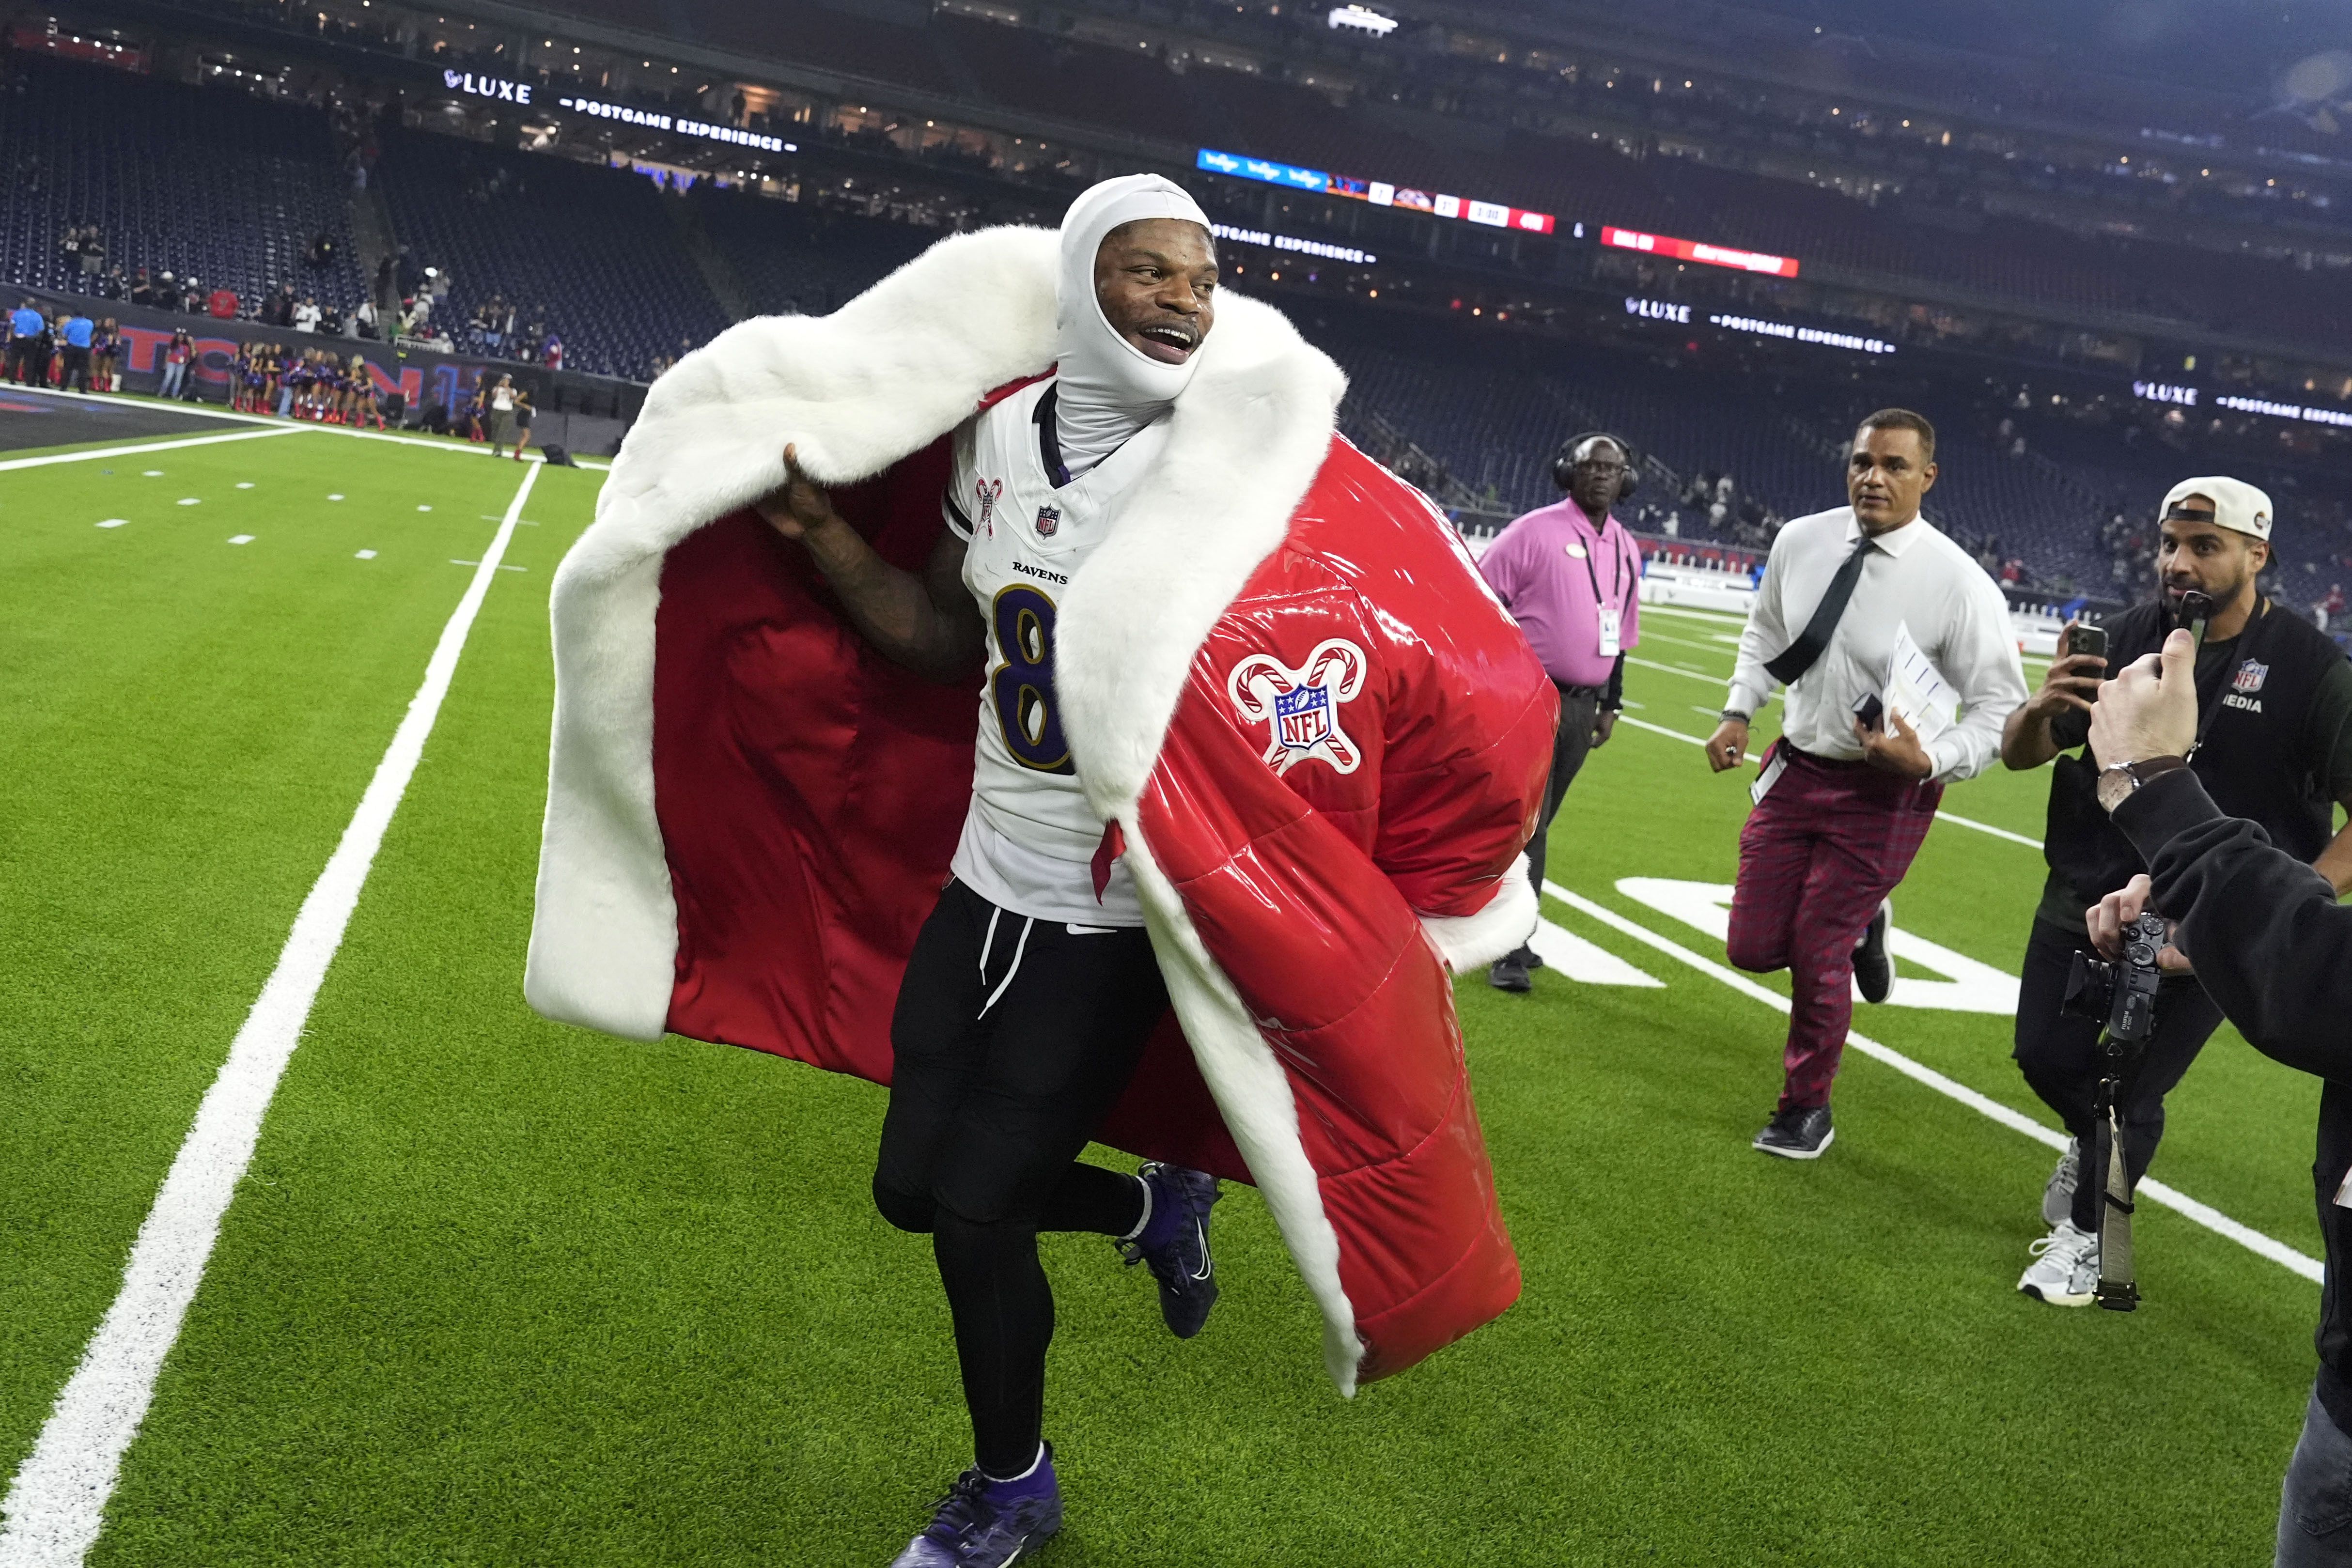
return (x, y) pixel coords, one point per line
(1252, 759)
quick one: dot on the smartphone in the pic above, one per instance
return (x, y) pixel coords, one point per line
(2195, 609)
(2086, 640)
(1870, 710)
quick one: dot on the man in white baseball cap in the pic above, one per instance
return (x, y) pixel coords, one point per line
(2276, 742)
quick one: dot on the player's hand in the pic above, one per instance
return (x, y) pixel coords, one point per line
(1604, 725)
(800, 506)
(1728, 745)
(2151, 709)
(1895, 748)
(2070, 685)
(2108, 917)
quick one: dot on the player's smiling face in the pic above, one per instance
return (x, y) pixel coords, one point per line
(1156, 279)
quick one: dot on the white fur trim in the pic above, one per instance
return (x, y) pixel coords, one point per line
(1253, 1095)
(1468, 941)
(1473, 941)
(884, 376)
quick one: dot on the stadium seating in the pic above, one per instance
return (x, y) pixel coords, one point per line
(589, 250)
(209, 182)
(793, 260)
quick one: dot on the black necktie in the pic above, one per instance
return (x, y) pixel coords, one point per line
(1799, 655)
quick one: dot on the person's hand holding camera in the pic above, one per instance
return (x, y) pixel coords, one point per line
(2151, 709)
(2113, 914)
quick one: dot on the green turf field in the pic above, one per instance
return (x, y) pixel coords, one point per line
(496, 1292)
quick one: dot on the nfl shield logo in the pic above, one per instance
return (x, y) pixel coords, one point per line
(2251, 676)
(1302, 718)
(1302, 704)
(1049, 519)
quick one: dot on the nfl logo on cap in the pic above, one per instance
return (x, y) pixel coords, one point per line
(1049, 519)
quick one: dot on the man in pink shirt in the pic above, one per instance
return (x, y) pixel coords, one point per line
(1570, 576)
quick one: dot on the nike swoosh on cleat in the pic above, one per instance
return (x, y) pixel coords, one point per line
(1207, 1266)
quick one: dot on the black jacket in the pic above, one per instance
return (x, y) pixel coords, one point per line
(2273, 949)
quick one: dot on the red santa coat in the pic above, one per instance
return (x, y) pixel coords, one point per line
(1317, 738)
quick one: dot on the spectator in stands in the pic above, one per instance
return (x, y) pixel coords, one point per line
(26, 325)
(362, 321)
(277, 310)
(222, 303)
(142, 288)
(1570, 576)
(111, 284)
(306, 315)
(74, 341)
(2332, 606)
(1842, 805)
(93, 251)
(177, 355)
(551, 355)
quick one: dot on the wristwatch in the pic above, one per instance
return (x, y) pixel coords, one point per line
(1733, 716)
(2119, 782)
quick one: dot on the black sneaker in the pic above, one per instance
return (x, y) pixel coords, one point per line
(1511, 972)
(1873, 971)
(1797, 1134)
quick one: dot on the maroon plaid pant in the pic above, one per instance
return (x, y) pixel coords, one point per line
(1826, 843)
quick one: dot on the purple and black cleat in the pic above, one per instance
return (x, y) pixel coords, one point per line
(1175, 1244)
(985, 1524)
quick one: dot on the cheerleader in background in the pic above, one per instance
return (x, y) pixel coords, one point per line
(104, 344)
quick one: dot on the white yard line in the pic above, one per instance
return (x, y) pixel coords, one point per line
(282, 427)
(2180, 1203)
(1941, 815)
(1678, 670)
(57, 1504)
(97, 452)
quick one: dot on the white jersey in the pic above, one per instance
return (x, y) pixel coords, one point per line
(1029, 841)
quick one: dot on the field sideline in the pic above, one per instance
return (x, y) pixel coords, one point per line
(495, 1291)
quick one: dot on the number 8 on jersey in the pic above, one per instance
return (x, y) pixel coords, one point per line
(1021, 687)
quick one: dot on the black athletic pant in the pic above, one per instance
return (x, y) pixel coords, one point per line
(2059, 1055)
(76, 370)
(1012, 1039)
(20, 361)
(1572, 743)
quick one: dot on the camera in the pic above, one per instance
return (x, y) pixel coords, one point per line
(2120, 996)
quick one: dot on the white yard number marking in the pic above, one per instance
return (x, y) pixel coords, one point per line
(1967, 987)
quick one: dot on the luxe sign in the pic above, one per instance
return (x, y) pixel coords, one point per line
(498, 87)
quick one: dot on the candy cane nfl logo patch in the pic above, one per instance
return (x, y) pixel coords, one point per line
(1302, 704)
(1049, 521)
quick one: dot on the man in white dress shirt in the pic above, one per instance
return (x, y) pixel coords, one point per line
(1845, 798)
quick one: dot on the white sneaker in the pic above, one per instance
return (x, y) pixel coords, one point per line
(2066, 1268)
(2058, 1197)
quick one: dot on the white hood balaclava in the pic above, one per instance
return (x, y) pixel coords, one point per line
(1107, 389)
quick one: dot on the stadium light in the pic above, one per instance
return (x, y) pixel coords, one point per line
(1363, 19)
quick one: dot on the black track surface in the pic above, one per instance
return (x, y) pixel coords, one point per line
(30, 418)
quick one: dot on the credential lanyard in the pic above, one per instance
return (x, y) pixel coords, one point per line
(1600, 538)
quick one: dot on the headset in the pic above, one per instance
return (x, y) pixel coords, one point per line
(1563, 465)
